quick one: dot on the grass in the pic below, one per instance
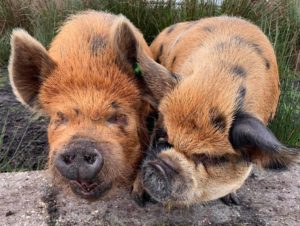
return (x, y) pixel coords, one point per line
(22, 135)
(279, 19)
(2, 80)
(14, 154)
(286, 124)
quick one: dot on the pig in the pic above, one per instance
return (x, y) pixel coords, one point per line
(89, 87)
(217, 92)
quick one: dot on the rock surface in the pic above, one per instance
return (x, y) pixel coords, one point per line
(27, 198)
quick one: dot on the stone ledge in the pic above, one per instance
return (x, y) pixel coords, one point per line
(27, 198)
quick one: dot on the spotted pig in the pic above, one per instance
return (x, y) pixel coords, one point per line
(86, 84)
(217, 89)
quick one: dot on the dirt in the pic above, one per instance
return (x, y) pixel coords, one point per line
(267, 198)
(23, 138)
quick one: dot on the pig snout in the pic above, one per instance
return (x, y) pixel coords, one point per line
(81, 160)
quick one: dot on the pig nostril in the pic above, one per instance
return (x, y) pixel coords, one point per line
(90, 159)
(68, 158)
(79, 162)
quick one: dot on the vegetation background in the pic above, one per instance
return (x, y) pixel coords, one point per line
(23, 143)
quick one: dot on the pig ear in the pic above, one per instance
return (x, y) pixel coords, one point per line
(29, 65)
(256, 143)
(135, 60)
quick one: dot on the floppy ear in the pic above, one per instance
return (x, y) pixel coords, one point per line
(257, 143)
(132, 57)
(29, 65)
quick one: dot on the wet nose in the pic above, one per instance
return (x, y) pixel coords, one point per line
(80, 161)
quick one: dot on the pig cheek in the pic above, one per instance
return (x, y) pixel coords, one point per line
(114, 155)
(57, 140)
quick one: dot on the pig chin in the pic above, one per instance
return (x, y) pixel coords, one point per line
(83, 166)
(90, 190)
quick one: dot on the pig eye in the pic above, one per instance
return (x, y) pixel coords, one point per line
(119, 119)
(60, 119)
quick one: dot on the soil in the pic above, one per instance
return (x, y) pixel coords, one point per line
(23, 138)
(267, 199)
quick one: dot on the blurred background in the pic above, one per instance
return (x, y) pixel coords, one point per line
(23, 139)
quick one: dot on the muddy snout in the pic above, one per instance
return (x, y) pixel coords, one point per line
(158, 177)
(81, 161)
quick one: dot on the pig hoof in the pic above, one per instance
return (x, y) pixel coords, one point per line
(231, 199)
